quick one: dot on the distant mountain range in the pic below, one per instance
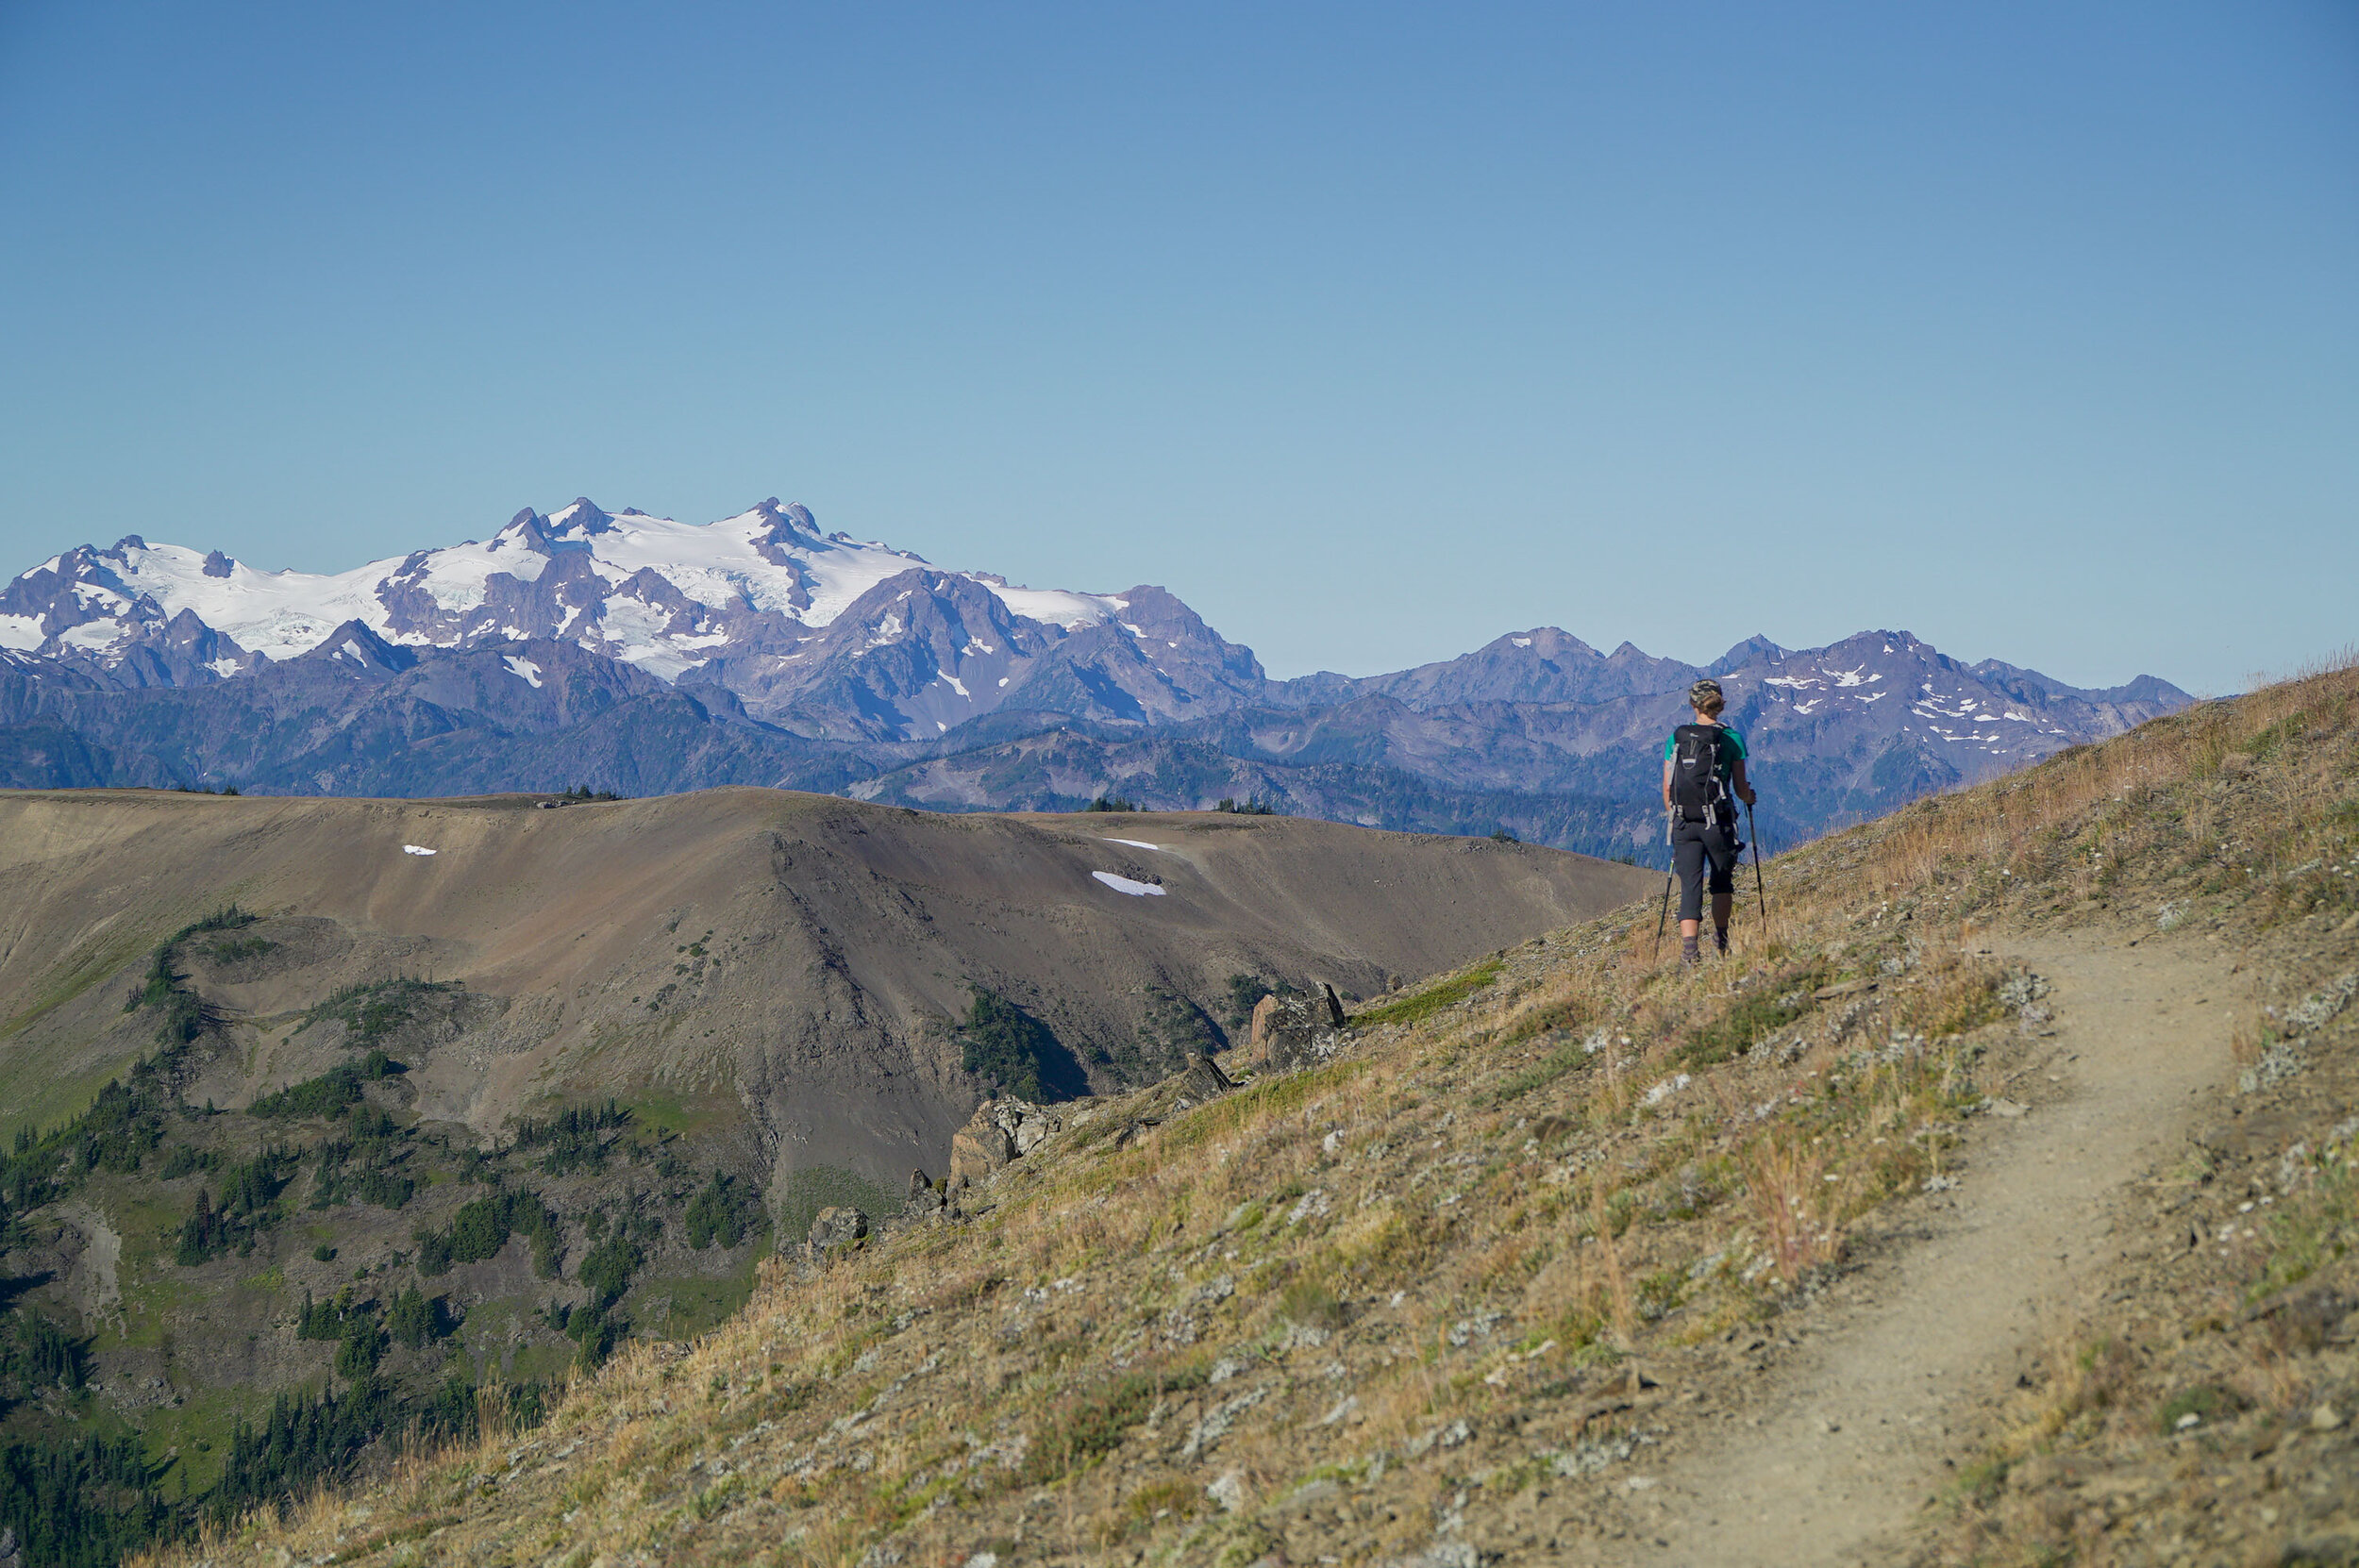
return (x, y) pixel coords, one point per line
(636, 653)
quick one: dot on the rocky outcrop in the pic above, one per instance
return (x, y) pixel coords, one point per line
(1200, 1081)
(1297, 1030)
(836, 1227)
(999, 1131)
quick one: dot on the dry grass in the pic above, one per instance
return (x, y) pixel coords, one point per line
(1578, 1156)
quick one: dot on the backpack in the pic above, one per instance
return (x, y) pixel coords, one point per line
(1700, 788)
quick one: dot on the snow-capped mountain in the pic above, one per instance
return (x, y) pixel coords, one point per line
(646, 655)
(763, 604)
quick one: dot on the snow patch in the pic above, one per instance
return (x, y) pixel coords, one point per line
(1123, 884)
(1521, 641)
(524, 669)
(22, 632)
(1139, 843)
(415, 849)
(94, 636)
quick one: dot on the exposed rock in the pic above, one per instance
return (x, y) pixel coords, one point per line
(1295, 1032)
(1203, 1080)
(924, 1196)
(999, 1131)
(837, 1226)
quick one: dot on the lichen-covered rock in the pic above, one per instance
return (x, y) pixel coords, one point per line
(837, 1226)
(999, 1131)
(1297, 1031)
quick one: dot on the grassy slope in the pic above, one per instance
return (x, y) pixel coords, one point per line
(1444, 1287)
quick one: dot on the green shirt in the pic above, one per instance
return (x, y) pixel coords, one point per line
(1731, 753)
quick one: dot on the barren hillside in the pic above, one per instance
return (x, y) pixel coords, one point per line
(790, 959)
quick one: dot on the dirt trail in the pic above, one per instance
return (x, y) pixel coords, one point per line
(1849, 1440)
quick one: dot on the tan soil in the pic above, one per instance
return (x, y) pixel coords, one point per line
(1861, 1426)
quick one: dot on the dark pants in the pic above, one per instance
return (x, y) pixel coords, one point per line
(1693, 844)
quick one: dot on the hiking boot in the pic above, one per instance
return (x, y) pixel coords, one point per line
(1690, 952)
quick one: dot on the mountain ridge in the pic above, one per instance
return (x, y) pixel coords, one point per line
(760, 650)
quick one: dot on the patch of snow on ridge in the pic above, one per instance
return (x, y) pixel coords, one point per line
(22, 632)
(523, 668)
(1521, 641)
(1053, 605)
(1137, 844)
(415, 849)
(1123, 884)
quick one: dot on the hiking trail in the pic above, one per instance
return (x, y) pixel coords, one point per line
(1837, 1449)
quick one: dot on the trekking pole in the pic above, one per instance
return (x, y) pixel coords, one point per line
(1761, 889)
(1669, 873)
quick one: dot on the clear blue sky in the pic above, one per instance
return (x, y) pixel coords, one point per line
(1371, 332)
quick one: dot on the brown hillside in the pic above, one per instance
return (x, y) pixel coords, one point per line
(783, 963)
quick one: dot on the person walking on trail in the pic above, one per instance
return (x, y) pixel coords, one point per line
(1703, 778)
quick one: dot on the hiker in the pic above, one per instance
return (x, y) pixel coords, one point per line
(1703, 777)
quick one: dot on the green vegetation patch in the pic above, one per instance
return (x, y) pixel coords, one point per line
(1418, 1005)
(816, 1186)
(575, 1139)
(331, 1091)
(478, 1231)
(1270, 1097)
(724, 1210)
(1001, 1042)
(248, 1207)
(371, 1012)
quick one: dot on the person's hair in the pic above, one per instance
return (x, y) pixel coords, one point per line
(1704, 697)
